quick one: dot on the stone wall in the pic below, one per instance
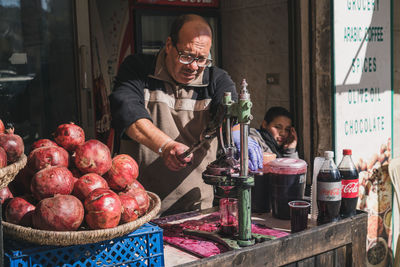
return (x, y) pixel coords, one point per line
(254, 44)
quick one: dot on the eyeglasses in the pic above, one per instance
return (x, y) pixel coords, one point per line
(188, 59)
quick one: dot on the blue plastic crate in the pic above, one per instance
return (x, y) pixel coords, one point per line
(143, 247)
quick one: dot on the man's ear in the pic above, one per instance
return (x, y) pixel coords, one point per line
(168, 45)
(264, 124)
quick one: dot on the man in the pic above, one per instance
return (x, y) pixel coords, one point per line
(276, 134)
(163, 103)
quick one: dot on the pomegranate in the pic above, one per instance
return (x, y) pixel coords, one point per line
(51, 181)
(19, 211)
(87, 183)
(69, 136)
(130, 208)
(58, 213)
(3, 157)
(47, 156)
(42, 143)
(22, 182)
(5, 194)
(93, 156)
(2, 129)
(12, 144)
(141, 198)
(135, 185)
(103, 209)
(124, 170)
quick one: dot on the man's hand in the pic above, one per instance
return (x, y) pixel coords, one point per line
(255, 152)
(291, 140)
(145, 132)
(171, 153)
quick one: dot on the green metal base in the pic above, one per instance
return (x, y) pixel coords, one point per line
(243, 185)
(246, 243)
(231, 242)
(262, 238)
(256, 238)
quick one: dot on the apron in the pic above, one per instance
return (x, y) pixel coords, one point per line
(182, 115)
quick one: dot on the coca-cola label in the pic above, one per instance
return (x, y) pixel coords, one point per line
(349, 188)
(329, 191)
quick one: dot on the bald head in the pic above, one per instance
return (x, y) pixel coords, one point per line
(189, 25)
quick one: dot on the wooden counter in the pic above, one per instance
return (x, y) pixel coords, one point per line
(338, 244)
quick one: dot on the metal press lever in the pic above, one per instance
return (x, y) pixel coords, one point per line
(209, 133)
(203, 139)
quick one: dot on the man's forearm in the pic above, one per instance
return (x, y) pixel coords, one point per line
(145, 132)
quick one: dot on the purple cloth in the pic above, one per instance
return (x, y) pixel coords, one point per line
(201, 247)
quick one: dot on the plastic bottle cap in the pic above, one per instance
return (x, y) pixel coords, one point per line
(328, 154)
(346, 151)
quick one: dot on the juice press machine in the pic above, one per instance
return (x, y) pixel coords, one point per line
(227, 172)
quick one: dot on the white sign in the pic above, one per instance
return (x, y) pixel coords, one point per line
(362, 69)
(363, 103)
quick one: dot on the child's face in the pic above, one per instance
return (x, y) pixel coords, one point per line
(280, 128)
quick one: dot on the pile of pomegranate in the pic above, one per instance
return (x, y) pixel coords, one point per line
(11, 146)
(72, 183)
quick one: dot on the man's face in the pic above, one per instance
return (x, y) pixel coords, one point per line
(279, 128)
(193, 44)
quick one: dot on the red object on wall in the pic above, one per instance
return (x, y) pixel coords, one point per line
(188, 3)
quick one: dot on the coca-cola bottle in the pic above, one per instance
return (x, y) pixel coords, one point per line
(329, 188)
(349, 175)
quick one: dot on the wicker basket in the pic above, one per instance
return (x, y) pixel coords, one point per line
(8, 173)
(67, 238)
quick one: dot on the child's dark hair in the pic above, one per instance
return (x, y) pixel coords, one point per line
(274, 112)
(179, 22)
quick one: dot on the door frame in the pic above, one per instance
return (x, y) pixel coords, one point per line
(84, 68)
(300, 78)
